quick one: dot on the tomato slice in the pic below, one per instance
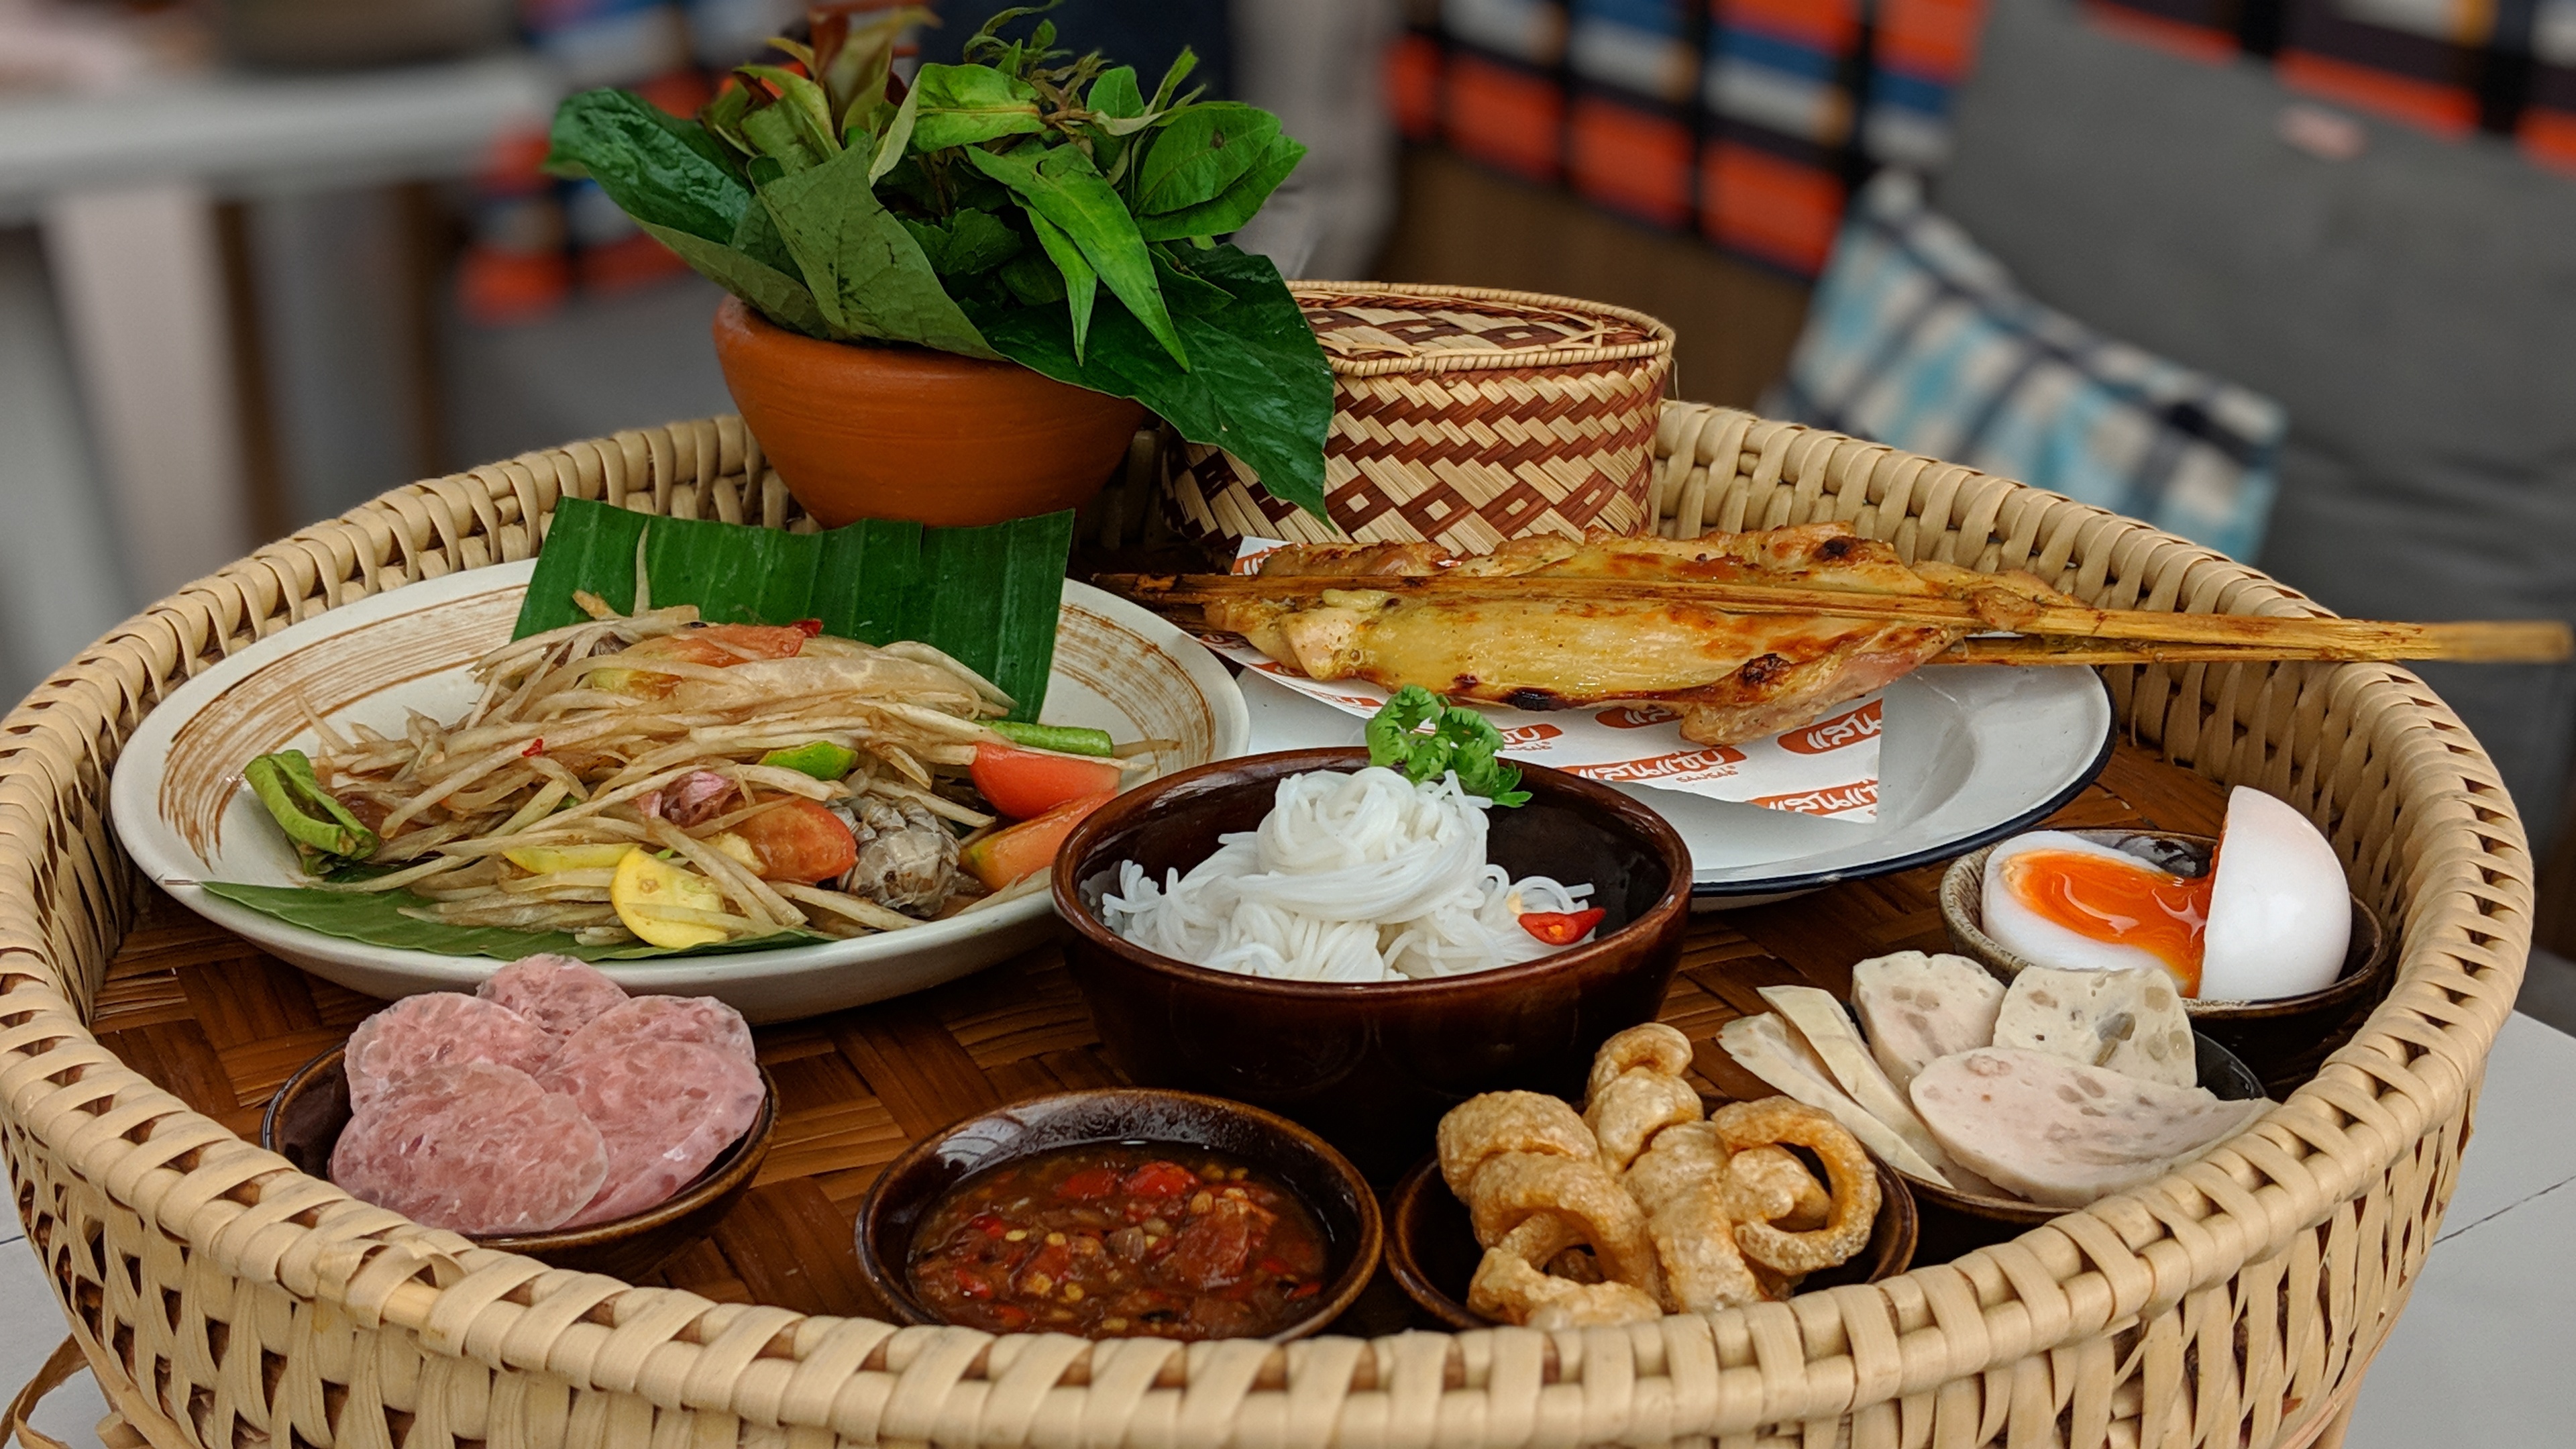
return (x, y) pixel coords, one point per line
(1024, 784)
(1561, 928)
(1024, 849)
(799, 840)
(1161, 1179)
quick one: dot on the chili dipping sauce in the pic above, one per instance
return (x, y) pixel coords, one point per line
(1121, 1240)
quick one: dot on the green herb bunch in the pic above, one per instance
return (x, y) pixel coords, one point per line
(1458, 739)
(983, 210)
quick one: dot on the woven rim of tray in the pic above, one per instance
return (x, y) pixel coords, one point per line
(1656, 341)
(2413, 805)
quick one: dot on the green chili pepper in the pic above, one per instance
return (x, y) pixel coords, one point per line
(1063, 739)
(821, 759)
(285, 783)
(1459, 739)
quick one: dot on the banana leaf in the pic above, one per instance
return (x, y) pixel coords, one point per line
(988, 596)
(377, 919)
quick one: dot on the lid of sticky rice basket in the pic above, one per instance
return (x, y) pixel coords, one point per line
(1370, 329)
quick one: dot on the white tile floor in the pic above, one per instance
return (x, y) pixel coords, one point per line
(2480, 1359)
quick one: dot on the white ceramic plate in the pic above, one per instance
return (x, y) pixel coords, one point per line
(1969, 755)
(185, 816)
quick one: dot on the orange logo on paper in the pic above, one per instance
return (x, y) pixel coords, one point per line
(1849, 728)
(1637, 716)
(1661, 767)
(1831, 800)
(1530, 734)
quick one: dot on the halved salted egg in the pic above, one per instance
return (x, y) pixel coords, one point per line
(2270, 918)
(2061, 900)
(2280, 919)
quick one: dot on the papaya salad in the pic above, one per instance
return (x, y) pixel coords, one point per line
(656, 778)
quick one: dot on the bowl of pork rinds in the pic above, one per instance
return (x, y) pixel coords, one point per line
(1645, 1202)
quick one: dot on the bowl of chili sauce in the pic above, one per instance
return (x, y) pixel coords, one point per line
(1121, 1212)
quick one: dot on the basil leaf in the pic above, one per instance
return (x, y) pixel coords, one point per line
(656, 167)
(1236, 205)
(965, 104)
(977, 242)
(1081, 284)
(1262, 390)
(773, 132)
(898, 135)
(1115, 95)
(868, 276)
(774, 294)
(1061, 186)
(1185, 289)
(1182, 65)
(1031, 279)
(1200, 153)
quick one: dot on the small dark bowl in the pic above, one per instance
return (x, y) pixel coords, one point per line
(1322, 1179)
(2283, 1040)
(1956, 1222)
(1372, 1067)
(1431, 1249)
(305, 1118)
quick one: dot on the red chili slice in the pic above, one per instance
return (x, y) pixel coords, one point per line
(535, 748)
(1307, 1290)
(972, 1286)
(811, 628)
(1561, 928)
(987, 1224)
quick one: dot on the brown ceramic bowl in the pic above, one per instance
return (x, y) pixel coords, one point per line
(305, 1118)
(1956, 1222)
(1431, 1251)
(2284, 1041)
(860, 430)
(1372, 1067)
(1324, 1180)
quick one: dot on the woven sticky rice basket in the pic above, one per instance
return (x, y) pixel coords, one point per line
(1461, 415)
(222, 1299)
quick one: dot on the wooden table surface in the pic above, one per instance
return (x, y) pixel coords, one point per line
(220, 1023)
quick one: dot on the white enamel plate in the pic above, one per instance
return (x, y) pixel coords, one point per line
(185, 816)
(1969, 754)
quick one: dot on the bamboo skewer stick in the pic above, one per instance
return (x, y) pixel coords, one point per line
(2276, 636)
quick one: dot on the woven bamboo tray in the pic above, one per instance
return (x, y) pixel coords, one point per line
(224, 1300)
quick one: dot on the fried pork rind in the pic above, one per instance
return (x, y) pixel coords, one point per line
(1632, 1110)
(1653, 1047)
(1636, 1090)
(1582, 1197)
(1681, 1182)
(1770, 1185)
(1488, 1126)
(1853, 1178)
(1510, 1289)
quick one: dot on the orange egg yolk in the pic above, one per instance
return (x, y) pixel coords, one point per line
(2125, 905)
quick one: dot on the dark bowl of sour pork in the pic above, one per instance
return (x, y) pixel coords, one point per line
(1372, 1066)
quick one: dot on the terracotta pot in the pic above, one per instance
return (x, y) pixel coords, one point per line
(1372, 1067)
(866, 431)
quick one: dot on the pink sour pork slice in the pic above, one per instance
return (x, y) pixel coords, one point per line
(558, 994)
(473, 1147)
(666, 1110)
(438, 1028)
(700, 1019)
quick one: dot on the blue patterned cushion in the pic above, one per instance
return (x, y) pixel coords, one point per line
(1918, 339)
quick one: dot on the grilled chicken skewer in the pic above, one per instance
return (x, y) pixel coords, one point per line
(1746, 634)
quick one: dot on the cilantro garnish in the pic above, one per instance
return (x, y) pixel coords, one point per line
(1459, 739)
